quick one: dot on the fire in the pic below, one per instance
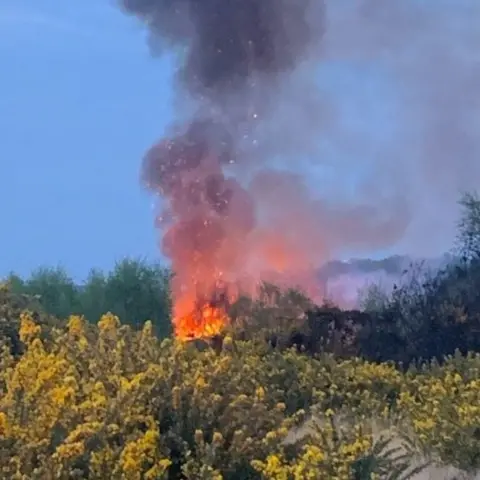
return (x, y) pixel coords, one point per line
(223, 237)
(203, 313)
(206, 321)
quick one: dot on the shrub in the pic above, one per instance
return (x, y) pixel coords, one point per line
(111, 402)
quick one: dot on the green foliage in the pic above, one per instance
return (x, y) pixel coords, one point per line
(388, 459)
(93, 295)
(56, 290)
(134, 290)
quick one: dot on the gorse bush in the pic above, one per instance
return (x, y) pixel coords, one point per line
(290, 391)
(108, 402)
(11, 308)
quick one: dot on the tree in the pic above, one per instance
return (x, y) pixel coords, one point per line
(136, 292)
(133, 290)
(93, 302)
(433, 314)
(56, 290)
(468, 238)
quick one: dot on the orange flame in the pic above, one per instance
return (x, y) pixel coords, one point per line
(207, 321)
(201, 312)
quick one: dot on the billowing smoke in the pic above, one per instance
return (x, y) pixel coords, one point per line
(236, 172)
(225, 43)
(235, 56)
(428, 55)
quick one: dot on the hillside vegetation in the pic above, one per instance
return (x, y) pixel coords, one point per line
(84, 395)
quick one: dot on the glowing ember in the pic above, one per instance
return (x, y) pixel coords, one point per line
(207, 321)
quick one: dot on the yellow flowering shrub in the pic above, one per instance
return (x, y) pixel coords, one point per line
(330, 452)
(106, 401)
(443, 406)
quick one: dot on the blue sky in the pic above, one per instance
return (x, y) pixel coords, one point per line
(81, 99)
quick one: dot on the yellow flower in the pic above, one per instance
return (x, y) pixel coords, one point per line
(313, 454)
(424, 424)
(158, 470)
(260, 393)
(147, 330)
(109, 323)
(61, 395)
(84, 431)
(75, 325)
(141, 452)
(29, 330)
(70, 450)
(3, 424)
(200, 383)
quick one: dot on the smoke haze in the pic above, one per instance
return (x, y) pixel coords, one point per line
(236, 176)
(429, 52)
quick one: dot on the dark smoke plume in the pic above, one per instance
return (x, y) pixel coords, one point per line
(227, 42)
(232, 53)
(238, 201)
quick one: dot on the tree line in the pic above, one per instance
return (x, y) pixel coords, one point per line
(428, 315)
(134, 290)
